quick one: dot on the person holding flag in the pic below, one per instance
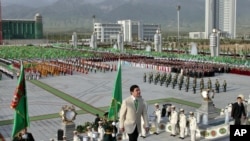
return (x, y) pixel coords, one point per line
(20, 104)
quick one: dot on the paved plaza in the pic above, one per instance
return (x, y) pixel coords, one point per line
(96, 90)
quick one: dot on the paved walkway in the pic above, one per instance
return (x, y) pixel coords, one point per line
(96, 90)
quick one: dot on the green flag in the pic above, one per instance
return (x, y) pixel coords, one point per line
(117, 96)
(20, 104)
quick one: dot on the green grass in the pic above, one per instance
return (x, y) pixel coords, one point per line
(78, 103)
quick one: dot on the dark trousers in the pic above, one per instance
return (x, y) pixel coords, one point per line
(237, 121)
(133, 136)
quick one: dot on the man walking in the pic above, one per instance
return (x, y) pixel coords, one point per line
(132, 109)
(238, 110)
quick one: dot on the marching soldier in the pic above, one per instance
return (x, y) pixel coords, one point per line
(194, 85)
(182, 123)
(187, 83)
(217, 86)
(192, 126)
(201, 84)
(181, 82)
(145, 77)
(224, 86)
(209, 84)
(150, 78)
(0, 75)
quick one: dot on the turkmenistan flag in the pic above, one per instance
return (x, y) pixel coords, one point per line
(20, 104)
(117, 96)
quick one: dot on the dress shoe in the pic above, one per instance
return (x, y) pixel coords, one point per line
(155, 133)
(143, 137)
(181, 138)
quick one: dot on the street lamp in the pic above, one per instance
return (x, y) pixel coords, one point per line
(178, 23)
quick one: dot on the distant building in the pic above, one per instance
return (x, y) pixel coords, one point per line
(23, 28)
(135, 30)
(105, 32)
(220, 15)
(196, 35)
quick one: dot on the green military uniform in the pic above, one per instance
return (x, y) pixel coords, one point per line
(217, 86)
(194, 85)
(224, 86)
(150, 78)
(209, 84)
(108, 128)
(201, 84)
(0, 75)
(187, 83)
(145, 77)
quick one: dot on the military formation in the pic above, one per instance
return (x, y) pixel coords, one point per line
(178, 80)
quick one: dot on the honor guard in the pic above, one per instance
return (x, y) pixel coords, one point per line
(173, 120)
(100, 131)
(157, 114)
(194, 85)
(192, 126)
(182, 123)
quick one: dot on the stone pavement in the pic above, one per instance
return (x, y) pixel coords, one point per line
(96, 89)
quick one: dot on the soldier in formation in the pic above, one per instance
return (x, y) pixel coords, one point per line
(182, 123)
(173, 121)
(157, 114)
(150, 78)
(181, 82)
(175, 79)
(194, 85)
(217, 86)
(224, 86)
(201, 84)
(145, 77)
(163, 78)
(209, 84)
(169, 79)
(192, 126)
(187, 84)
(157, 78)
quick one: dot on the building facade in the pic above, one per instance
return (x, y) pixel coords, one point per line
(196, 35)
(220, 15)
(23, 28)
(137, 31)
(105, 32)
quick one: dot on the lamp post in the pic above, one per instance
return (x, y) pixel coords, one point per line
(178, 25)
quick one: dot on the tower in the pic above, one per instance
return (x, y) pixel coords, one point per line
(220, 15)
(38, 26)
(211, 16)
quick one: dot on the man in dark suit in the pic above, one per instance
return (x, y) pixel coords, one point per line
(238, 111)
(24, 136)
